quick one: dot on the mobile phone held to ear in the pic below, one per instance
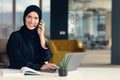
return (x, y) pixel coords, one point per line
(37, 26)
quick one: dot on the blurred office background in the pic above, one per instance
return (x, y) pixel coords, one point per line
(87, 20)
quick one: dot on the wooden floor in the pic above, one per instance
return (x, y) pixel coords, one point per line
(98, 58)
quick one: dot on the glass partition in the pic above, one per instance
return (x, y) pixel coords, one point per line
(6, 26)
(90, 22)
(46, 16)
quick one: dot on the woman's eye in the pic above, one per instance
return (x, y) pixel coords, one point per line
(28, 16)
(36, 18)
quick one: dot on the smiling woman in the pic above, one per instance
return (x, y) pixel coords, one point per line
(27, 46)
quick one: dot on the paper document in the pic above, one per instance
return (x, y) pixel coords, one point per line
(22, 71)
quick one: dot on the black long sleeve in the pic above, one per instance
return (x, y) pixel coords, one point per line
(21, 54)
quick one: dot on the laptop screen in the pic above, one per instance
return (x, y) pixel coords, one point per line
(75, 60)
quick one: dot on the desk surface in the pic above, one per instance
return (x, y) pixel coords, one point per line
(80, 74)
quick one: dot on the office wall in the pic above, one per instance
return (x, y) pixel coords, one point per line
(59, 19)
(115, 56)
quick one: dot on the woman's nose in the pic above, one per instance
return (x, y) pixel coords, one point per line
(32, 20)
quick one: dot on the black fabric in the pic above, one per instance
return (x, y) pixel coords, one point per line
(24, 48)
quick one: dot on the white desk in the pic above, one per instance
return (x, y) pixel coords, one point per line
(80, 74)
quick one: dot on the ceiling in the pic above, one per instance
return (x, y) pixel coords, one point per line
(90, 4)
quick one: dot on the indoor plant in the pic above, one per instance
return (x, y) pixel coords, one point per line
(62, 64)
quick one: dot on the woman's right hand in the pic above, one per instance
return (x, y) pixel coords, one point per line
(48, 67)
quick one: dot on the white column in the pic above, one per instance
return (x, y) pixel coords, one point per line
(89, 24)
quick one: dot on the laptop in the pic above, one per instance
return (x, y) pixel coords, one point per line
(75, 60)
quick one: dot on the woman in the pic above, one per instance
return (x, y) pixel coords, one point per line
(27, 46)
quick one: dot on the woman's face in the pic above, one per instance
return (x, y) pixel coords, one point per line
(31, 20)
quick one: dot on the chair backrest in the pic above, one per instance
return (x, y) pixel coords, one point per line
(4, 60)
(64, 45)
(3, 43)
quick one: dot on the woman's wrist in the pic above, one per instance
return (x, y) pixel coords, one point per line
(42, 41)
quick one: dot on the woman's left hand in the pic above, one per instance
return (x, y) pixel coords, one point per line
(41, 28)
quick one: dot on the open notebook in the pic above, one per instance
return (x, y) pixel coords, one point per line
(22, 71)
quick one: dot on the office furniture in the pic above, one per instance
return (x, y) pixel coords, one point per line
(64, 46)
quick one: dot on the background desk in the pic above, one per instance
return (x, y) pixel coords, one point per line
(80, 74)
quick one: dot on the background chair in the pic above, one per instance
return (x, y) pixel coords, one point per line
(63, 47)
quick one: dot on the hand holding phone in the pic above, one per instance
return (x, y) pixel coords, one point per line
(41, 27)
(41, 30)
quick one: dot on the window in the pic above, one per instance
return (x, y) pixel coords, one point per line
(86, 19)
(46, 16)
(6, 26)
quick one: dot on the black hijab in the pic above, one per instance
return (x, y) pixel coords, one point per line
(28, 34)
(31, 36)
